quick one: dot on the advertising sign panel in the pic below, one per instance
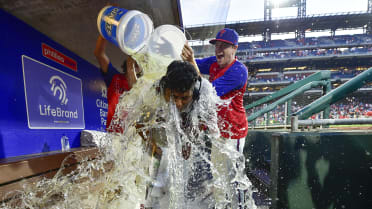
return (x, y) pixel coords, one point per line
(54, 99)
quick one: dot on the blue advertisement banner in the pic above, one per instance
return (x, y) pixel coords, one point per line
(48, 92)
(54, 99)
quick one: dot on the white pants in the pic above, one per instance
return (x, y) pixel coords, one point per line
(159, 195)
(226, 159)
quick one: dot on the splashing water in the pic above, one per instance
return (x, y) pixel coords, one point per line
(128, 174)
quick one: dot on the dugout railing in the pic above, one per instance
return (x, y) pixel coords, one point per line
(285, 95)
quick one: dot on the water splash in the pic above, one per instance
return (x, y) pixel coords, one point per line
(128, 173)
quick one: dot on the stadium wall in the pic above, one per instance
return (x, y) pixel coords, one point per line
(47, 92)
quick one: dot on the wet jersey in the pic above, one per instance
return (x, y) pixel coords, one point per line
(230, 83)
(117, 84)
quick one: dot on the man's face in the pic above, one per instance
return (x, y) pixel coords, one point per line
(225, 53)
(182, 99)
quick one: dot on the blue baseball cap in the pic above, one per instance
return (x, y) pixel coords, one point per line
(226, 35)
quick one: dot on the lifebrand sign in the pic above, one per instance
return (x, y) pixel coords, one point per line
(54, 99)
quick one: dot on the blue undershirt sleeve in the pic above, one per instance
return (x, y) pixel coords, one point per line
(205, 64)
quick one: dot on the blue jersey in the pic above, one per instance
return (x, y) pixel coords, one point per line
(230, 83)
(233, 79)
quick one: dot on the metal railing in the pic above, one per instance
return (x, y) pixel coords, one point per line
(285, 95)
(321, 104)
(335, 95)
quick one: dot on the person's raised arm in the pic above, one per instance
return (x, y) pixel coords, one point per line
(187, 55)
(100, 54)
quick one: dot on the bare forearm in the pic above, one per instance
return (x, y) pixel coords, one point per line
(187, 55)
(100, 54)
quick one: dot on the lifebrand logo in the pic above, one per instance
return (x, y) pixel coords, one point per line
(59, 87)
(54, 98)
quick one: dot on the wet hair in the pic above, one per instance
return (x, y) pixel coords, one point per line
(180, 77)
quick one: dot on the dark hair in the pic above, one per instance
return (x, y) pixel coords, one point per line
(180, 77)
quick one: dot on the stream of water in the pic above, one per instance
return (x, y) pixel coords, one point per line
(129, 174)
